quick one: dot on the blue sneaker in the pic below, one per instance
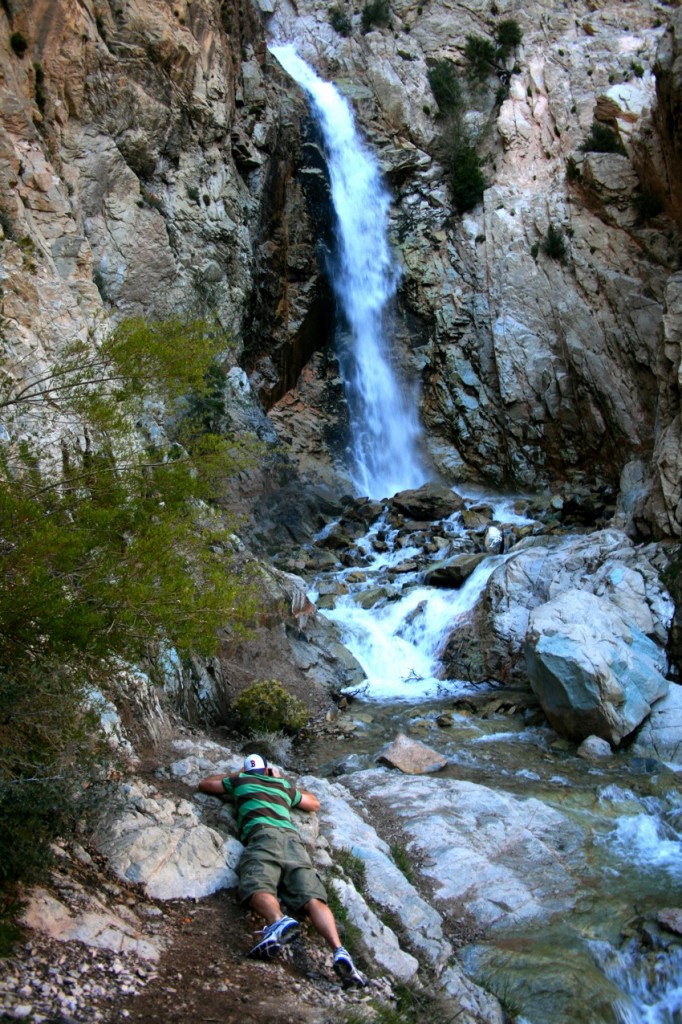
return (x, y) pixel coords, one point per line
(346, 969)
(275, 936)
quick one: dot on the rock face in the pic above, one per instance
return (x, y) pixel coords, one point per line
(162, 844)
(484, 851)
(156, 160)
(661, 734)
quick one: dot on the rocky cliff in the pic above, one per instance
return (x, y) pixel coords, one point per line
(155, 160)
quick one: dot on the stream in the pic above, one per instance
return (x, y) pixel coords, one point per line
(605, 962)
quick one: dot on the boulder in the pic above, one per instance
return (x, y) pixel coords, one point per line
(380, 942)
(162, 844)
(594, 747)
(92, 923)
(593, 671)
(661, 734)
(453, 572)
(428, 503)
(411, 757)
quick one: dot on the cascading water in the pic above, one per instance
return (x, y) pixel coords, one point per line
(384, 425)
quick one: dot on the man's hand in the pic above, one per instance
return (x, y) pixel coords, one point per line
(273, 773)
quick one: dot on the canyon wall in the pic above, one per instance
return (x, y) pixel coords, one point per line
(155, 160)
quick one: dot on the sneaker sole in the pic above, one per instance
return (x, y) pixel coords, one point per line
(289, 933)
(349, 976)
(268, 949)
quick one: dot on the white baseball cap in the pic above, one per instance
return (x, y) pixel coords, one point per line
(254, 763)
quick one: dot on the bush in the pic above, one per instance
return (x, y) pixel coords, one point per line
(445, 87)
(465, 176)
(480, 55)
(340, 21)
(648, 205)
(508, 36)
(375, 12)
(267, 707)
(602, 139)
(98, 565)
(573, 172)
(554, 244)
(18, 43)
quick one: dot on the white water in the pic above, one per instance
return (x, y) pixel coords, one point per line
(384, 425)
(398, 644)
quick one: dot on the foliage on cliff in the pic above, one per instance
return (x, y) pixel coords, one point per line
(117, 551)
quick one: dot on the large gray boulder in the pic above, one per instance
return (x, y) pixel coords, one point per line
(605, 563)
(593, 671)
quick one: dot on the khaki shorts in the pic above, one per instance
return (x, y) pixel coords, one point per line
(276, 861)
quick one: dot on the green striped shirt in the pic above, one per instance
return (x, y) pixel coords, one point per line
(262, 800)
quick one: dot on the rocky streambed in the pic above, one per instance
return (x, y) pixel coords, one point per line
(511, 868)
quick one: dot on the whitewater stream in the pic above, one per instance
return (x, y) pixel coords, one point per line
(587, 967)
(591, 966)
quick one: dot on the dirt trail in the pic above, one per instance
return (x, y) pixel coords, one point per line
(204, 976)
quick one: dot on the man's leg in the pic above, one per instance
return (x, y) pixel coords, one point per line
(266, 906)
(323, 921)
(278, 930)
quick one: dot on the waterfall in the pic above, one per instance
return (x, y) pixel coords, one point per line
(383, 419)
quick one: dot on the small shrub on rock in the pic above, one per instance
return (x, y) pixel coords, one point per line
(602, 139)
(554, 244)
(445, 86)
(18, 43)
(508, 36)
(375, 12)
(481, 55)
(267, 707)
(339, 20)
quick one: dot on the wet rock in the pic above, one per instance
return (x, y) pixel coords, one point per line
(411, 757)
(661, 734)
(428, 503)
(500, 858)
(453, 572)
(671, 918)
(594, 747)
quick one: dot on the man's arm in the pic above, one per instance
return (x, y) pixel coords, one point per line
(214, 784)
(309, 802)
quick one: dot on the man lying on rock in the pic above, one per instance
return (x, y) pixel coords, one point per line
(275, 862)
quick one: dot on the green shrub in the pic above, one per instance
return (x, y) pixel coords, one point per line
(39, 89)
(466, 178)
(18, 43)
(573, 172)
(554, 244)
(445, 86)
(375, 12)
(267, 707)
(102, 563)
(340, 21)
(508, 35)
(481, 55)
(637, 70)
(602, 139)
(648, 205)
